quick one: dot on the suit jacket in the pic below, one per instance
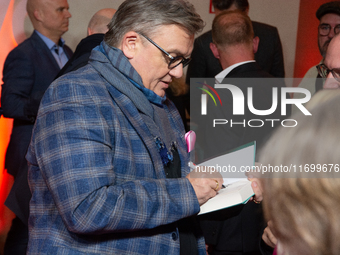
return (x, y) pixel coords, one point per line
(262, 95)
(96, 170)
(28, 71)
(269, 55)
(82, 53)
(240, 233)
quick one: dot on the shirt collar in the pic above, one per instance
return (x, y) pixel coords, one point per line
(220, 76)
(50, 44)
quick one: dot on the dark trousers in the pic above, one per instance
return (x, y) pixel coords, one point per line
(17, 238)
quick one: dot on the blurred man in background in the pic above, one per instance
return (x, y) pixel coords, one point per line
(28, 71)
(329, 16)
(96, 29)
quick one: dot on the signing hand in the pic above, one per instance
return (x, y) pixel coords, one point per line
(206, 185)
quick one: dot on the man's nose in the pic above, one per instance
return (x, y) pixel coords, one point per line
(331, 33)
(68, 14)
(177, 72)
(331, 82)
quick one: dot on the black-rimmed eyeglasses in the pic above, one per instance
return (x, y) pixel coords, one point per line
(174, 61)
(324, 29)
(323, 70)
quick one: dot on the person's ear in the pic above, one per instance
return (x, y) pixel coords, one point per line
(256, 41)
(89, 31)
(214, 50)
(130, 44)
(247, 11)
(38, 15)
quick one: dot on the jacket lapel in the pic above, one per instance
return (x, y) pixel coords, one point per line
(136, 120)
(130, 100)
(44, 50)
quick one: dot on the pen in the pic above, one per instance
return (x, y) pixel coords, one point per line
(191, 165)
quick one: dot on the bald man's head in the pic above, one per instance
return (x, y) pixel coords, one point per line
(332, 63)
(100, 20)
(31, 6)
(49, 17)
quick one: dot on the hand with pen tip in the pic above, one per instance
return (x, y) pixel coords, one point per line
(205, 184)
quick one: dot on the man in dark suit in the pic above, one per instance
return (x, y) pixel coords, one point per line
(204, 65)
(28, 71)
(269, 55)
(234, 46)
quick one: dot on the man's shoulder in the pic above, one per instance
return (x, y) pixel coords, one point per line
(84, 82)
(262, 28)
(89, 42)
(312, 72)
(249, 70)
(205, 38)
(308, 82)
(28, 46)
(84, 75)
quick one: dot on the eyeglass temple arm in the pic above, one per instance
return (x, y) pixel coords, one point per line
(159, 47)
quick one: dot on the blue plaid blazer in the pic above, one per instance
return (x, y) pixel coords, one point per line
(97, 180)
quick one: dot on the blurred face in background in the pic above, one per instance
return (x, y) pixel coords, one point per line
(328, 27)
(332, 62)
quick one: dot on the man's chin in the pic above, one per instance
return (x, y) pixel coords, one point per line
(161, 93)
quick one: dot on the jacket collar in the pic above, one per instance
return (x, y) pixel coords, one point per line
(116, 69)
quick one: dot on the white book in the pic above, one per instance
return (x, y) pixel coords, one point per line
(233, 194)
(234, 164)
(237, 189)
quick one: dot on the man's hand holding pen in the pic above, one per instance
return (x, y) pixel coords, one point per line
(206, 185)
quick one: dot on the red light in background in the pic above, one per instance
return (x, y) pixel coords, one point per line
(7, 43)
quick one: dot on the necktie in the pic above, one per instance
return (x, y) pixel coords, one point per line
(56, 49)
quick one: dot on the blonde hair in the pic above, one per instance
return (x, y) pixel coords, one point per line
(305, 211)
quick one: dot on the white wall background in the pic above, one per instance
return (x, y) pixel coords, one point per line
(280, 13)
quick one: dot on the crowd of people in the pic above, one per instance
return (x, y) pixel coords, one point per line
(98, 150)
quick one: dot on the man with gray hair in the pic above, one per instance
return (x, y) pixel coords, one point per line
(108, 162)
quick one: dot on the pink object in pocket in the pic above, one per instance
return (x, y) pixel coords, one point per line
(190, 138)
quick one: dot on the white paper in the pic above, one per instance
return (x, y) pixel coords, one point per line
(234, 194)
(236, 160)
(238, 190)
